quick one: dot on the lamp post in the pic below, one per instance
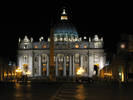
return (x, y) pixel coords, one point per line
(124, 69)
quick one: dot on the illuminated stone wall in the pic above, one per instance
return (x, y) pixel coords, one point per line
(69, 57)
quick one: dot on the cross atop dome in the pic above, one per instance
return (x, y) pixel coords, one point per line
(64, 15)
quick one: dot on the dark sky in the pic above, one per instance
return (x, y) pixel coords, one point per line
(108, 19)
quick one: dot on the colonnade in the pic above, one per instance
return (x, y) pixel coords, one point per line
(67, 65)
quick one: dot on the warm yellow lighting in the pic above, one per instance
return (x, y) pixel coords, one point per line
(28, 73)
(60, 68)
(5, 74)
(122, 46)
(44, 69)
(77, 64)
(80, 71)
(64, 15)
(25, 65)
(44, 46)
(18, 70)
(9, 74)
(108, 74)
(76, 46)
(64, 18)
(122, 77)
(44, 64)
(97, 65)
(36, 47)
(85, 46)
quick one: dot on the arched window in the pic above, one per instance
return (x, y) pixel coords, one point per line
(85, 46)
(36, 59)
(76, 45)
(44, 46)
(44, 59)
(35, 46)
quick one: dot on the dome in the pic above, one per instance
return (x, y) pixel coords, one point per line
(65, 28)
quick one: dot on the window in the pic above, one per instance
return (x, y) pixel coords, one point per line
(36, 59)
(35, 46)
(44, 59)
(44, 46)
(85, 46)
(86, 58)
(60, 58)
(76, 46)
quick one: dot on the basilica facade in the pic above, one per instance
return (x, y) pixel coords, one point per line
(71, 53)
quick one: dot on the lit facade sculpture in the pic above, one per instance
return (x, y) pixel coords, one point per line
(71, 52)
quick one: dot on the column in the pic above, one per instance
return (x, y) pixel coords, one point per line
(64, 69)
(56, 69)
(33, 59)
(70, 65)
(80, 60)
(47, 65)
(30, 65)
(39, 62)
(91, 65)
(88, 64)
(73, 67)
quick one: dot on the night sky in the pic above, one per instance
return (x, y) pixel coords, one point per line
(107, 19)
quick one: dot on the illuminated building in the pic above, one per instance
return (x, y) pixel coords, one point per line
(70, 52)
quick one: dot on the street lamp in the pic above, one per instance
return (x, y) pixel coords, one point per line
(123, 73)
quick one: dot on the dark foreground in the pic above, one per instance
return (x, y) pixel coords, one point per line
(64, 91)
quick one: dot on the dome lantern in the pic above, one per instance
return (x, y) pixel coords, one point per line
(64, 15)
(64, 28)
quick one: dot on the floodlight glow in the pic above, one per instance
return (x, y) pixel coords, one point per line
(80, 71)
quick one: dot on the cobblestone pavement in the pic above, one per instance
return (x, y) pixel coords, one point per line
(77, 91)
(65, 91)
